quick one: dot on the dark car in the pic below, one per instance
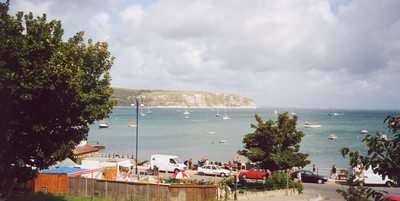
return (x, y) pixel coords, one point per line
(310, 177)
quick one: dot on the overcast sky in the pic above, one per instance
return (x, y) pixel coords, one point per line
(303, 53)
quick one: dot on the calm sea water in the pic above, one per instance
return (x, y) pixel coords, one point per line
(167, 131)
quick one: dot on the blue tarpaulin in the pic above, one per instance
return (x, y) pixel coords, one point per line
(61, 170)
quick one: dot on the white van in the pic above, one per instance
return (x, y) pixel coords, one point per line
(369, 177)
(167, 163)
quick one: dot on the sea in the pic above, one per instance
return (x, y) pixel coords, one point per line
(204, 135)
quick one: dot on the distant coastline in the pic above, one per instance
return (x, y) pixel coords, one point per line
(181, 99)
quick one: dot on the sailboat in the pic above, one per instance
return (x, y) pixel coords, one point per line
(141, 110)
(186, 112)
(217, 114)
(148, 110)
(226, 116)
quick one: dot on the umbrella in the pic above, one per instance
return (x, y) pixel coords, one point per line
(180, 175)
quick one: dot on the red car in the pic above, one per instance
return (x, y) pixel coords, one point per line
(391, 197)
(254, 174)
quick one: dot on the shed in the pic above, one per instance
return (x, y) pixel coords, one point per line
(56, 180)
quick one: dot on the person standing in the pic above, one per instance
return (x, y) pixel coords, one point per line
(333, 171)
(190, 163)
(299, 176)
(313, 168)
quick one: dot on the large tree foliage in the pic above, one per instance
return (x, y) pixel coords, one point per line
(50, 91)
(274, 145)
(382, 154)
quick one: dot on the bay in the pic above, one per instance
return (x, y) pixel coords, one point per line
(166, 131)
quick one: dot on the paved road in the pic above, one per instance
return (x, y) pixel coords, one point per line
(315, 192)
(312, 192)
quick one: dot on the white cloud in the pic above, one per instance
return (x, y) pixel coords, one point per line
(309, 53)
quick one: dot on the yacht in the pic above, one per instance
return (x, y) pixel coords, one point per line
(364, 131)
(310, 125)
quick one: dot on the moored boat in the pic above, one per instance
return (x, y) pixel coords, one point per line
(332, 136)
(364, 131)
(103, 125)
(310, 125)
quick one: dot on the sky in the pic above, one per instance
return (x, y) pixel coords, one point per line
(281, 53)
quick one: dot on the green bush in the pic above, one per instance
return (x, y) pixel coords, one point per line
(279, 181)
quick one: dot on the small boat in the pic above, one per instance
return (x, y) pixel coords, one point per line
(310, 125)
(221, 141)
(364, 131)
(103, 125)
(332, 136)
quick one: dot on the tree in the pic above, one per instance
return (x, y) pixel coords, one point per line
(383, 154)
(50, 91)
(274, 145)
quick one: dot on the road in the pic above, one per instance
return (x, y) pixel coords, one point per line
(315, 192)
(312, 192)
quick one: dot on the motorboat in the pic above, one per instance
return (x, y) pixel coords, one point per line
(332, 136)
(364, 131)
(310, 125)
(103, 125)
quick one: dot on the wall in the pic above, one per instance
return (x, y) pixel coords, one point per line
(52, 183)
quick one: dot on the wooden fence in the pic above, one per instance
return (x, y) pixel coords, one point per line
(117, 190)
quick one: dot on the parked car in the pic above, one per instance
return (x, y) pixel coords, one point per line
(213, 170)
(368, 177)
(310, 177)
(167, 163)
(254, 173)
(392, 197)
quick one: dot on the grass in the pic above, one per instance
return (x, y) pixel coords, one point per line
(51, 197)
